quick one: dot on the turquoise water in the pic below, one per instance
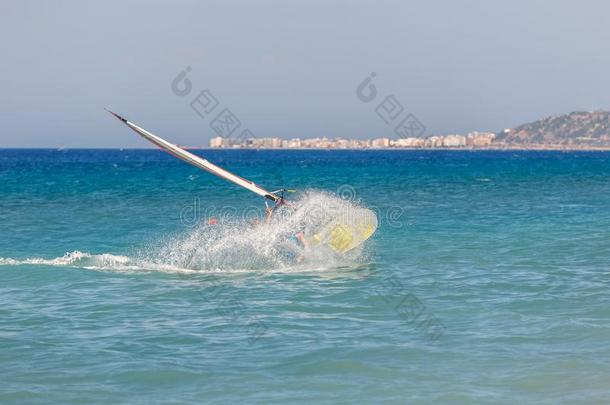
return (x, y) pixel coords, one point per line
(487, 280)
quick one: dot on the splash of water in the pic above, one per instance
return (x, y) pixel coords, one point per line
(250, 243)
(242, 244)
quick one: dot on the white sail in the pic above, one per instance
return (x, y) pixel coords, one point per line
(197, 161)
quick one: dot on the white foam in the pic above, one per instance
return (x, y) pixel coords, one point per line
(83, 260)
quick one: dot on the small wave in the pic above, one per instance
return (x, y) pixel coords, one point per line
(105, 261)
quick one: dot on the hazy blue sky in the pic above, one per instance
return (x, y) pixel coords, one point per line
(291, 68)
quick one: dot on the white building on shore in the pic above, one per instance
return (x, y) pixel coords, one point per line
(454, 141)
(380, 143)
(218, 142)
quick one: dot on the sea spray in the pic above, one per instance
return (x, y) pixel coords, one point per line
(256, 244)
(248, 243)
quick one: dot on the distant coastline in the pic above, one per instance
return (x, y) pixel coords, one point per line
(207, 148)
(441, 148)
(579, 130)
(472, 140)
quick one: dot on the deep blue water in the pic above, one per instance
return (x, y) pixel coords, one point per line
(487, 281)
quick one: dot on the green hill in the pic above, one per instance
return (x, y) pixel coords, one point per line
(577, 129)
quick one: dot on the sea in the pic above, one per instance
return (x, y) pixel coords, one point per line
(127, 276)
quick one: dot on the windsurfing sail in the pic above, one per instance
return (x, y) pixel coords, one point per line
(349, 229)
(197, 161)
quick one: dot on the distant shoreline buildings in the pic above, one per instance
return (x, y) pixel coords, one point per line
(472, 140)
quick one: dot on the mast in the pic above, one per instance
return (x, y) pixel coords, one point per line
(196, 161)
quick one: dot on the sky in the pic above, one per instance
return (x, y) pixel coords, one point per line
(293, 68)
